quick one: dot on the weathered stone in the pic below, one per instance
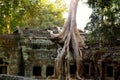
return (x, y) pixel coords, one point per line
(11, 77)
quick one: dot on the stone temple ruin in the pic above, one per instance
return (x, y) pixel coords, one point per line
(27, 53)
(31, 53)
(38, 53)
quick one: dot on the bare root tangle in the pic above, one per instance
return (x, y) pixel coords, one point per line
(72, 43)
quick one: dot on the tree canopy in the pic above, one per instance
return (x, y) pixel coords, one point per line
(30, 13)
(104, 25)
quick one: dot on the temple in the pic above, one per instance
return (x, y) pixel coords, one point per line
(31, 53)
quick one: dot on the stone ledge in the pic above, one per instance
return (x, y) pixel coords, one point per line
(12, 77)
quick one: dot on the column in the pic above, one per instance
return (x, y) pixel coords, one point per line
(43, 71)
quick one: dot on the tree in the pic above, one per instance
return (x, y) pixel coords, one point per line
(43, 14)
(29, 13)
(10, 15)
(71, 43)
(104, 25)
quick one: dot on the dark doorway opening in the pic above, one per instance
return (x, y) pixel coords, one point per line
(87, 71)
(72, 69)
(109, 71)
(3, 69)
(1, 61)
(36, 71)
(118, 73)
(50, 71)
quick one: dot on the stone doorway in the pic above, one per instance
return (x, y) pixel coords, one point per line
(3, 67)
(50, 71)
(36, 71)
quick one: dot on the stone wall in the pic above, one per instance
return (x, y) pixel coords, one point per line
(38, 52)
(28, 53)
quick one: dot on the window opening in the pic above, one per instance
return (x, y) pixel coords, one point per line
(36, 71)
(86, 66)
(109, 71)
(72, 69)
(3, 69)
(50, 71)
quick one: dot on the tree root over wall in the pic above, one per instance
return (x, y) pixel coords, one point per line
(72, 43)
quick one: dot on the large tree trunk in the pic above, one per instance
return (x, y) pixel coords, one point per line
(72, 44)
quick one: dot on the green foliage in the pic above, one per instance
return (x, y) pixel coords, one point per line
(10, 14)
(104, 25)
(30, 13)
(45, 14)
